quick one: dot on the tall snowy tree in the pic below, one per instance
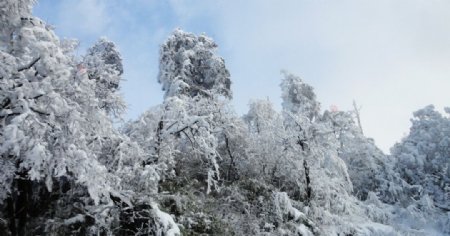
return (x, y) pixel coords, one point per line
(189, 66)
(103, 64)
(187, 134)
(327, 185)
(305, 131)
(299, 97)
(195, 80)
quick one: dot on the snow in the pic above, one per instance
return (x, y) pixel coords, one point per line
(76, 219)
(169, 226)
(191, 163)
(302, 230)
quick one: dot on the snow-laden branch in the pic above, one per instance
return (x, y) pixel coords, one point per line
(29, 65)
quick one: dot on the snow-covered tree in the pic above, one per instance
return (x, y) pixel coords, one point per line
(65, 168)
(327, 186)
(190, 66)
(299, 97)
(103, 64)
(423, 157)
(370, 170)
(178, 136)
(12, 13)
(64, 163)
(44, 120)
(196, 81)
(268, 144)
(187, 134)
(305, 132)
(262, 117)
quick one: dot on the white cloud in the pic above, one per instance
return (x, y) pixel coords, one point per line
(88, 17)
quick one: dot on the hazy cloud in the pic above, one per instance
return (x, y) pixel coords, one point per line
(84, 16)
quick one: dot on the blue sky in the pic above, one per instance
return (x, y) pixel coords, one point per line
(392, 57)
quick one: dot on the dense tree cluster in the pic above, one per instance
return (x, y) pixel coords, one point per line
(191, 166)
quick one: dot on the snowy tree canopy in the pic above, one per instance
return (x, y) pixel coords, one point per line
(423, 157)
(12, 13)
(299, 97)
(62, 160)
(103, 65)
(191, 165)
(189, 66)
(107, 52)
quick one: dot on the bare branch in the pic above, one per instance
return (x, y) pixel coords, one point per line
(357, 113)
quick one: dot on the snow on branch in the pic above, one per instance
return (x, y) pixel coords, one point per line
(29, 65)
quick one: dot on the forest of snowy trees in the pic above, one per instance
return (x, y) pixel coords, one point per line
(191, 165)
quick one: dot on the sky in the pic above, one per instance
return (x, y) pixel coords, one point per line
(391, 57)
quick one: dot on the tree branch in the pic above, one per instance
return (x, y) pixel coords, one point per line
(11, 114)
(39, 112)
(442, 207)
(5, 103)
(182, 129)
(38, 96)
(357, 113)
(170, 126)
(227, 144)
(190, 140)
(32, 63)
(308, 181)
